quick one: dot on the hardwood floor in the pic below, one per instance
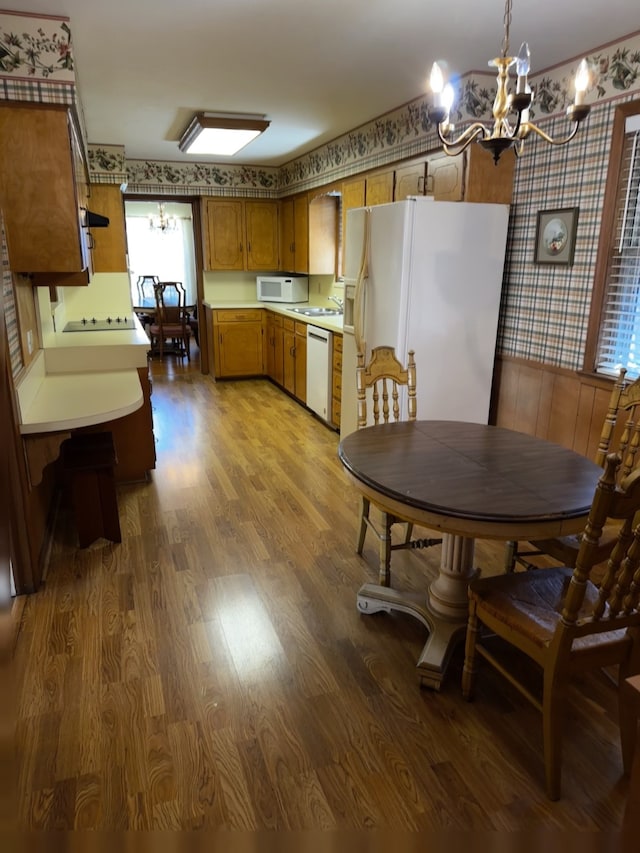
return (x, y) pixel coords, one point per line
(212, 670)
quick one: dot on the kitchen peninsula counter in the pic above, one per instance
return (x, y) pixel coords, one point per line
(84, 381)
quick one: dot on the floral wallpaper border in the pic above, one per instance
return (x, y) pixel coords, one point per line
(39, 49)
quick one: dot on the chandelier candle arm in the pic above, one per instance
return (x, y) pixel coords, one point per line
(504, 133)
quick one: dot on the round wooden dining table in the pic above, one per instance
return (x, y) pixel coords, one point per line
(469, 481)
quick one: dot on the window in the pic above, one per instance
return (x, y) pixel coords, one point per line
(617, 292)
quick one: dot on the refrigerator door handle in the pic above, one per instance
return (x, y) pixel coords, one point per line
(359, 299)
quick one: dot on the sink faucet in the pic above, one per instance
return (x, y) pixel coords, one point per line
(339, 302)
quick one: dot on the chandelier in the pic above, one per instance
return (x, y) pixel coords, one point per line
(511, 124)
(162, 222)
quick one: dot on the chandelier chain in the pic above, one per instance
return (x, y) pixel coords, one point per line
(507, 24)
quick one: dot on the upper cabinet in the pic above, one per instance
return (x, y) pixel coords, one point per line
(242, 234)
(379, 188)
(109, 244)
(410, 180)
(471, 176)
(44, 189)
(309, 234)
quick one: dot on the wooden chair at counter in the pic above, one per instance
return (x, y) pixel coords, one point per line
(382, 379)
(622, 422)
(172, 319)
(564, 623)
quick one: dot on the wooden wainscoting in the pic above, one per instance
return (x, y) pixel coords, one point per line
(550, 402)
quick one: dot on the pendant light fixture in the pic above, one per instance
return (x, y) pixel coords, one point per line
(511, 123)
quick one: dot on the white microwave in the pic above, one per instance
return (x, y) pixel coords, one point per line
(282, 288)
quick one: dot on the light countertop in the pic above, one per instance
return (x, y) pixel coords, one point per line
(68, 352)
(331, 323)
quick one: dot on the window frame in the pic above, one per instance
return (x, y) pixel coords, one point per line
(607, 235)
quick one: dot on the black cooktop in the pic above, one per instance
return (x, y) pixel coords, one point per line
(91, 324)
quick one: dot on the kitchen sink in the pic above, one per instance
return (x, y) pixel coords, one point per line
(317, 312)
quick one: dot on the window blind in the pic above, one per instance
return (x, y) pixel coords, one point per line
(619, 343)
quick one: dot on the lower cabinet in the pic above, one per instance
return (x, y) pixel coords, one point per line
(336, 380)
(275, 347)
(239, 342)
(295, 358)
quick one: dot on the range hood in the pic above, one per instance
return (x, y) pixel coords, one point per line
(96, 220)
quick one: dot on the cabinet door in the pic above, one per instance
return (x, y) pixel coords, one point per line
(410, 180)
(261, 222)
(289, 359)
(301, 362)
(353, 194)
(225, 232)
(323, 234)
(301, 233)
(287, 236)
(379, 188)
(40, 195)
(240, 349)
(445, 177)
(487, 181)
(109, 244)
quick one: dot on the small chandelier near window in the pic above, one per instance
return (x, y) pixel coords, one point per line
(162, 222)
(505, 132)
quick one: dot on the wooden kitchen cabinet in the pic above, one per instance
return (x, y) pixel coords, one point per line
(353, 195)
(242, 234)
(336, 380)
(275, 347)
(44, 190)
(309, 234)
(379, 188)
(110, 243)
(294, 234)
(295, 358)
(471, 176)
(410, 180)
(239, 342)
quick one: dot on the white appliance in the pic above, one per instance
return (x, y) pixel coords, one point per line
(282, 288)
(426, 275)
(319, 356)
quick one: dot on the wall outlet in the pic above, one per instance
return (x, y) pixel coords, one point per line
(30, 341)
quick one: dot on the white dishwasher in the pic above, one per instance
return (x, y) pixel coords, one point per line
(319, 346)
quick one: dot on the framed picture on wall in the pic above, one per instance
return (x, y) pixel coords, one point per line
(556, 236)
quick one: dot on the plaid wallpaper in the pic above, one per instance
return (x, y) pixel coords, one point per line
(545, 308)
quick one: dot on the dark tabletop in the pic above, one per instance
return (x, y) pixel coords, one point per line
(471, 471)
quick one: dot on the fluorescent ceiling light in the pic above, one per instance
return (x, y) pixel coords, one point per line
(222, 134)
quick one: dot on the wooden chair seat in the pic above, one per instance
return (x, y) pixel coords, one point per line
(532, 605)
(564, 622)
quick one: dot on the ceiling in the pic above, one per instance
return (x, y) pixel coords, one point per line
(315, 68)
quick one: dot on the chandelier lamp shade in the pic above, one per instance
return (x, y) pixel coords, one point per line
(221, 134)
(511, 123)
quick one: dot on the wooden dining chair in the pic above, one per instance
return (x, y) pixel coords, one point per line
(565, 623)
(621, 433)
(381, 380)
(172, 319)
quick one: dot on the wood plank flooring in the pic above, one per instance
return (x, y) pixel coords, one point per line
(212, 671)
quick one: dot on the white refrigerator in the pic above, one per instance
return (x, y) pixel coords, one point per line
(426, 275)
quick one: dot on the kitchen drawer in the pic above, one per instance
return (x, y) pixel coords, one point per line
(337, 359)
(238, 315)
(301, 329)
(276, 319)
(289, 324)
(336, 384)
(337, 343)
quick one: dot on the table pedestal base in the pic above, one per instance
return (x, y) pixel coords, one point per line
(444, 634)
(443, 610)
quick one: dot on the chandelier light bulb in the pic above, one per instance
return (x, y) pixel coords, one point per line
(436, 81)
(582, 82)
(448, 97)
(523, 66)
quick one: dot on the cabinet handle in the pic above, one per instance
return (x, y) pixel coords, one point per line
(248, 247)
(240, 247)
(220, 337)
(292, 351)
